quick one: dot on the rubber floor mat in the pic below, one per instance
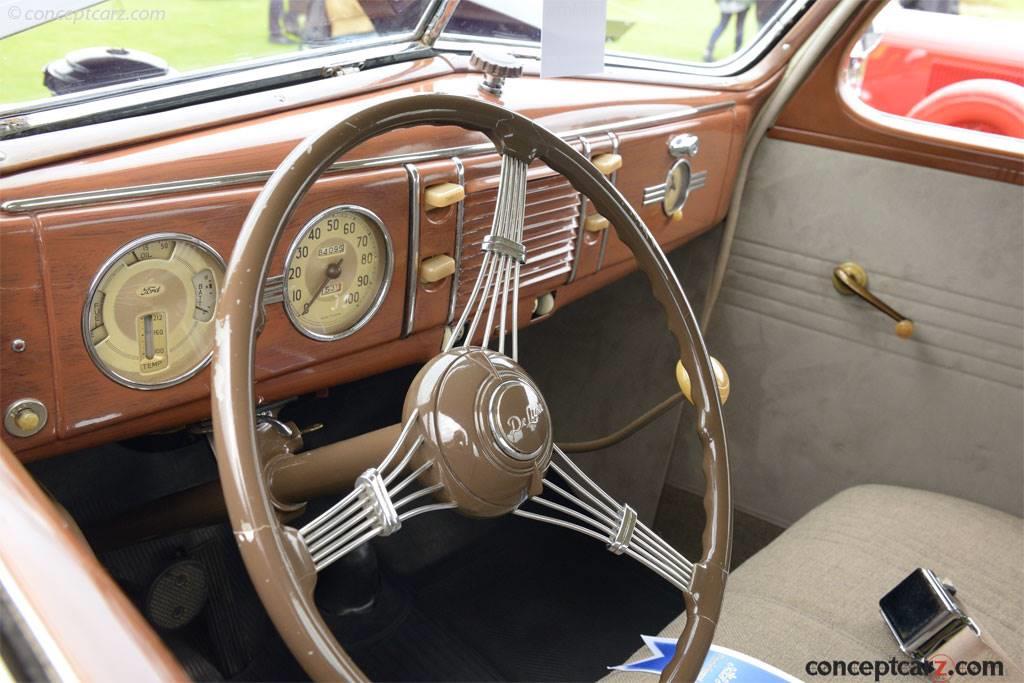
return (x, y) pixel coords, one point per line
(532, 602)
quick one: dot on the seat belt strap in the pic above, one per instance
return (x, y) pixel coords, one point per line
(970, 646)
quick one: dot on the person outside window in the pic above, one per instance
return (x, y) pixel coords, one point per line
(728, 9)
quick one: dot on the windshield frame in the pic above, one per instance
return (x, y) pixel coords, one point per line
(147, 96)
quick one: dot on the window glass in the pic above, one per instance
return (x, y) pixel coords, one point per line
(55, 47)
(681, 30)
(957, 63)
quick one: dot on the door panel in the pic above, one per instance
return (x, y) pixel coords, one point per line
(825, 395)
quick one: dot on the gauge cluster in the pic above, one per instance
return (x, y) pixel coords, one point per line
(148, 320)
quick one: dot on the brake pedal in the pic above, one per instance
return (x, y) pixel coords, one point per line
(177, 595)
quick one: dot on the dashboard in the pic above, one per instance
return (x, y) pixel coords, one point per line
(111, 266)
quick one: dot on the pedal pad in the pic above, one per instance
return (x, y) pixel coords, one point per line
(177, 595)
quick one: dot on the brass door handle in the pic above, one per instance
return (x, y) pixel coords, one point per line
(850, 278)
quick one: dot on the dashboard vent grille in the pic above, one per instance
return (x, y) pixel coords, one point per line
(549, 232)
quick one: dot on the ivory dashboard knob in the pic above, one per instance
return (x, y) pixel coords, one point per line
(436, 268)
(607, 163)
(27, 420)
(444, 194)
(25, 417)
(595, 222)
(544, 304)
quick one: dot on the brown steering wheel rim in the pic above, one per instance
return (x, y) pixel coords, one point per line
(280, 569)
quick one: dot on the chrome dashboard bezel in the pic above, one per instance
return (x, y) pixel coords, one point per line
(94, 286)
(378, 299)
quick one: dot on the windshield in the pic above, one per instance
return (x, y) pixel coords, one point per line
(707, 31)
(56, 47)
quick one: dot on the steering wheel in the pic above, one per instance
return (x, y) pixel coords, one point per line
(476, 433)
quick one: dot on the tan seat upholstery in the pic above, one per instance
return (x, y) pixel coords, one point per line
(813, 593)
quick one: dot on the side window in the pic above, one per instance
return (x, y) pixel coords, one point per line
(674, 30)
(951, 62)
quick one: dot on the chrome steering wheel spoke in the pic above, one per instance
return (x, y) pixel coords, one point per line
(495, 294)
(583, 506)
(376, 506)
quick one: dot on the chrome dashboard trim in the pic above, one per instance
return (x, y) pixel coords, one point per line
(585, 150)
(76, 199)
(655, 193)
(614, 177)
(380, 296)
(94, 286)
(412, 279)
(273, 290)
(460, 219)
(166, 93)
(438, 22)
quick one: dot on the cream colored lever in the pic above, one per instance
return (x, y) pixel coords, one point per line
(436, 268)
(595, 222)
(851, 279)
(607, 163)
(445, 194)
(721, 377)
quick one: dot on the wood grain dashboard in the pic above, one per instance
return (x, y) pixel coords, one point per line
(61, 222)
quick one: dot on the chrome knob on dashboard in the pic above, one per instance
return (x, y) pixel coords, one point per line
(497, 66)
(684, 145)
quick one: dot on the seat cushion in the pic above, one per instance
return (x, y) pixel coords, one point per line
(812, 594)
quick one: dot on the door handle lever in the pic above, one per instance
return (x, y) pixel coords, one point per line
(850, 278)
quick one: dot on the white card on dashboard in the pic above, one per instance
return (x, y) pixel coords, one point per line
(572, 37)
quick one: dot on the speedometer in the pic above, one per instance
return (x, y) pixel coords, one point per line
(148, 319)
(337, 272)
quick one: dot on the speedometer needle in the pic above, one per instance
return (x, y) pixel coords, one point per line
(333, 271)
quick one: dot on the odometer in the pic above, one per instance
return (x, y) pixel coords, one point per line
(337, 272)
(148, 319)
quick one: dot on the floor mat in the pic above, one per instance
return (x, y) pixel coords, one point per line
(535, 603)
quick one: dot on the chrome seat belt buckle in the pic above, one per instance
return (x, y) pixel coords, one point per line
(922, 614)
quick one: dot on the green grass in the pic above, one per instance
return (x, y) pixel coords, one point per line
(192, 34)
(675, 30)
(1010, 10)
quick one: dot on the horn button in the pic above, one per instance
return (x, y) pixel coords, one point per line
(486, 426)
